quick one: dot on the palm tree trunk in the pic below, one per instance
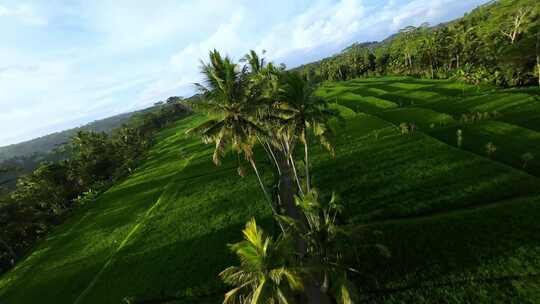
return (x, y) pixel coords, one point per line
(538, 56)
(286, 189)
(315, 295)
(431, 67)
(263, 188)
(538, 68)
(269, 152)
(293, 166)
(306, 162)
(290, 159)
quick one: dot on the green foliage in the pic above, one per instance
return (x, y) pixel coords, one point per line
(494, 44)
(257, 103)
(325, 252)
(490, 149)
(48, 194)
(526, 158)
(45, 145)
(228, 96)
(444, 213)
(265, 274)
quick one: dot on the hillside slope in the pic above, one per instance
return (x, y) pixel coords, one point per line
(45, 144)
(454, 220)
(21, 159)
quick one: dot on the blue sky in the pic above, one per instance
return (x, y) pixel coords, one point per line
(66, 63)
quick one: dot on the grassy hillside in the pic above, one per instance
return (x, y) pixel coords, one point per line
(461, 227)
(509, 118)
(21, 159)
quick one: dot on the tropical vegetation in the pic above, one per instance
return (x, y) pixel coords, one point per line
(258, 103)
(497, 43)
(91, 163)
(349, 185)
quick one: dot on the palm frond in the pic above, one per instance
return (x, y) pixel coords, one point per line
(258, 291)
(294, 280)
(219, 150)
(253, 234)
(202, 127)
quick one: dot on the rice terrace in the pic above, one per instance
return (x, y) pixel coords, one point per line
(399, 171)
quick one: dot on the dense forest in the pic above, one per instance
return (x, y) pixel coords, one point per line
(84, 167)
(497, 43)
(42, 145)
(22, 158)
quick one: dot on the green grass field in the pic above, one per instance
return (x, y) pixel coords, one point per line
(461, 227)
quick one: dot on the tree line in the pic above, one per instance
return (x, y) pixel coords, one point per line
(497, 43)
(95, 160)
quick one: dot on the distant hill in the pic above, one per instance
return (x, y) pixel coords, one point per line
(22, 158)
(44, 144)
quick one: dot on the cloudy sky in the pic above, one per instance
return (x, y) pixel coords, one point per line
(66, 63)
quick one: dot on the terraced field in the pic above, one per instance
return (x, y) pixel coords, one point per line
(510, 119)
(162, 232)
(460, 227)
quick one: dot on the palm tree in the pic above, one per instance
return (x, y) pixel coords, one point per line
(429, 50)
(264, 274)
(409, 47)
(255, 62)
(261, 102)
(229, 97)
(327, 277)
(305, 111)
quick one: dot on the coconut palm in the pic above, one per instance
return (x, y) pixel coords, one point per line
(305, 111)
(231, 100)
(265, 274)
(267, 80)
(255, 62)
(327, 277)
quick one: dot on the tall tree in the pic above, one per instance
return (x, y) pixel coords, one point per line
(515, 25)
(260, 102)
(232, 101)
(306, 112)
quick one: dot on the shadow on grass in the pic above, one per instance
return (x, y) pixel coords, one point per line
(494, 245)
(511, 141)
(407, 176)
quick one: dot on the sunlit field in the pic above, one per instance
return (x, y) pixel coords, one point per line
(461, 226)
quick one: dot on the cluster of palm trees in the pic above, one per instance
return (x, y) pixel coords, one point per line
(254, 103)
(497, 43)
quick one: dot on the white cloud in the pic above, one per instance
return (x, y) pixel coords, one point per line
(69, 62)
(24, 13)
(325, 22)
(227, 38)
